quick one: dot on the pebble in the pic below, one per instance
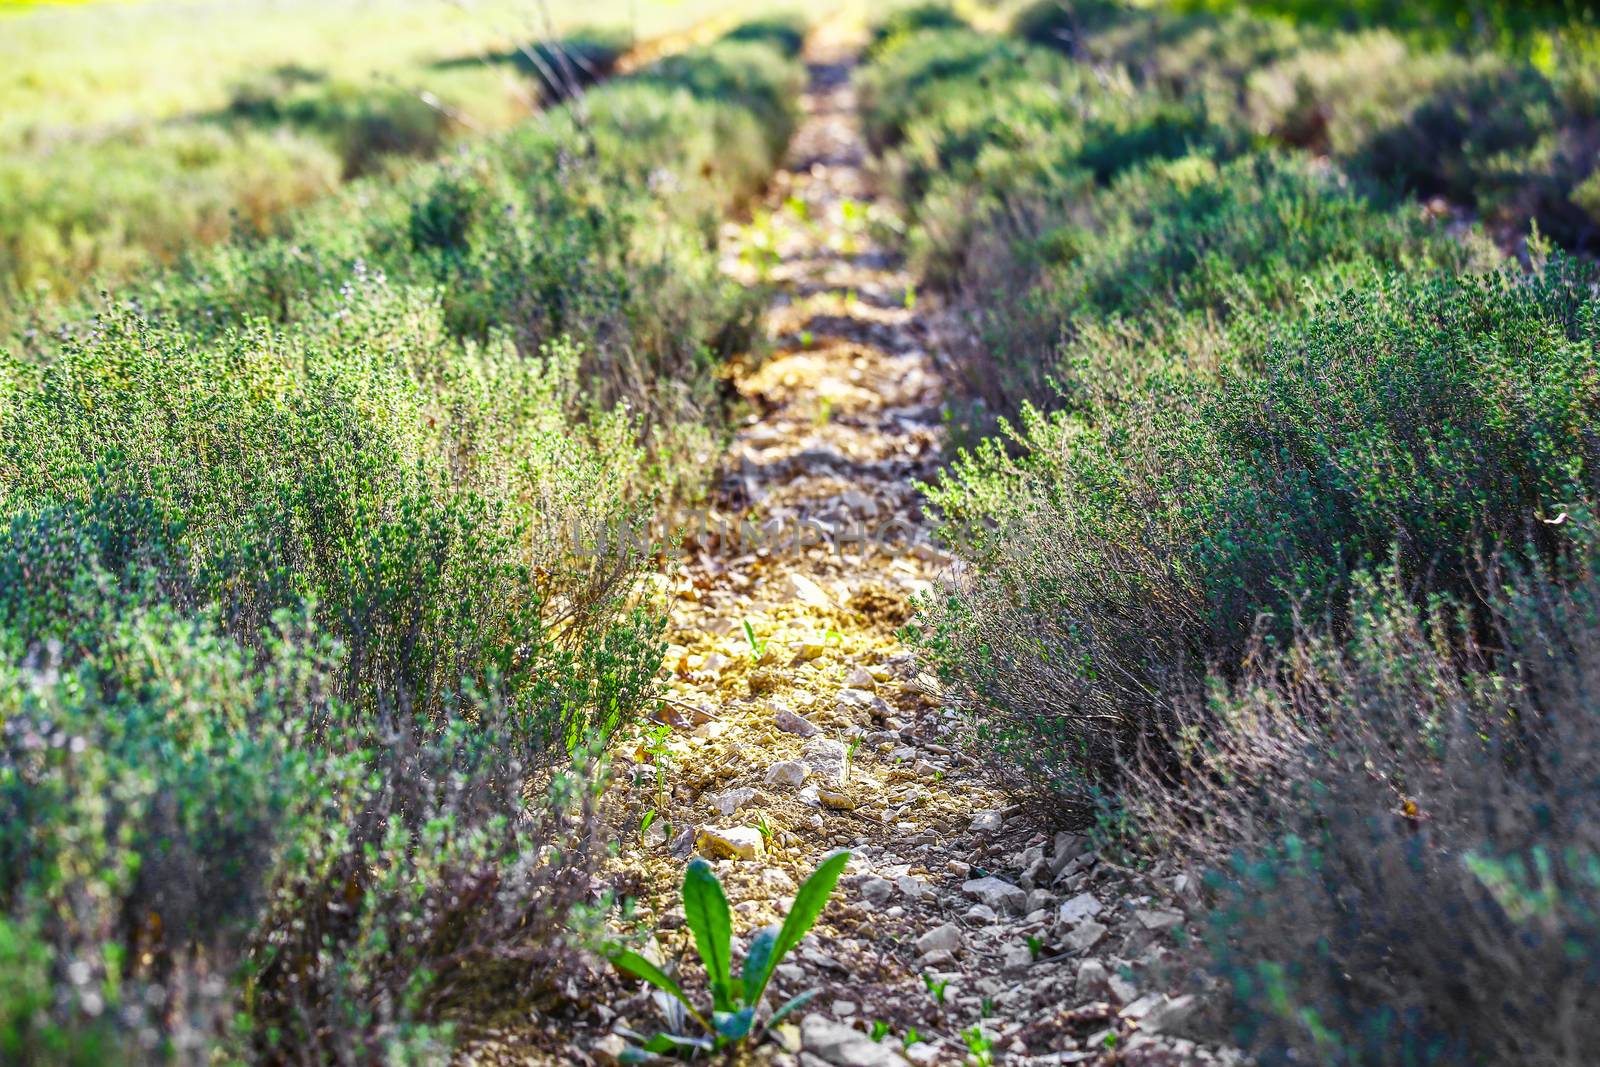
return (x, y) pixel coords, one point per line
(1082, 906)
(875, 890)
(1085, 936)
(791, 774)
(735, 842)
(1000, 895)
(835, 799)
(731, 800)
(946, 938)
(789, 722)
(844, 1046)
(987, 822)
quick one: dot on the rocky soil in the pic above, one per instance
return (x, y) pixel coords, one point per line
(797, 725)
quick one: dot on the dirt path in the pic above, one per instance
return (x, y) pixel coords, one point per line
(799, 724)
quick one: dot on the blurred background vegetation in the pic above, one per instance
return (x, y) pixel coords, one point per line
(130, 131)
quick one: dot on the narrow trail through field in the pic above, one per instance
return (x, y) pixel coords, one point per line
(798, 723)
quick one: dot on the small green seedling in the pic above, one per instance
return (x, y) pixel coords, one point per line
(766, 831)
(824, 411)
(911, 297)
(911, 1037)
(758, 645)
(734, 998)
(661, 757)
(645, 824)
(936, 987)
(1035, 947)
(850, 757)
(980, 1047)
(880, 1030)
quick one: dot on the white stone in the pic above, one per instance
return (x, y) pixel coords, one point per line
(1168, 1014)
(987, 822)
(1092, 977)
(844, 1046)
(946, 938)
(1000, 895)
(1085, 936)
(875, 890)
(808, 592)
(790, 722)
(1082, 906)
(790, 774)
(1158, 920)
(731, 800)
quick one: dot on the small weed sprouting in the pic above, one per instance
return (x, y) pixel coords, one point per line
(850, 758)
(660, 755)
(758, 645)
(765, 829)
(734, 997)
(980, 1047)
(936, 987)
(880, 1030)
(824, 411)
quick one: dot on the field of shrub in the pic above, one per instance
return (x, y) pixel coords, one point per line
(1271, 337)
(1277, 516)
(134, 131)
(302, 679)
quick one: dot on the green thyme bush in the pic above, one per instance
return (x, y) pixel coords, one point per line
(1284, 565)
(1104, 232)
(1118, 556)
(1400, 829)
(313, 620)
(1505, 130)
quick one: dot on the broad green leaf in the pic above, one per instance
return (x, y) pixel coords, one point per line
(705, 907)
(633, 963)
(808, 904)
(758, 962)
(735, 1025)
(799, 1000)
(668, 1044)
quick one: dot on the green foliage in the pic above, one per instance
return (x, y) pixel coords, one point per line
(735, 998)
(904, 23)
(1280, 558)
(1508, 133)
(1123, 553)
(313, 617)
(1433, 787)
(786, 33)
